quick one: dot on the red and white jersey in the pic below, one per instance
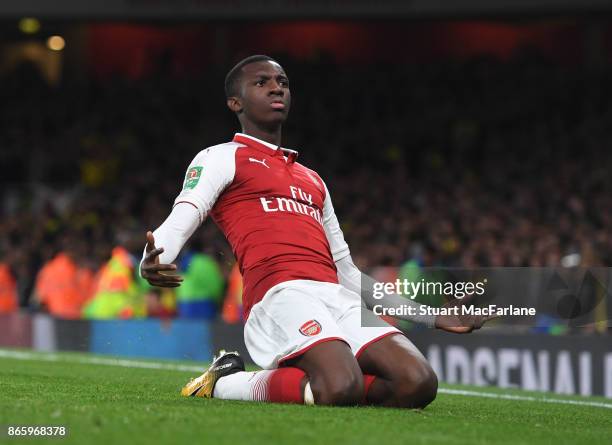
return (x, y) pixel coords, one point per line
(276, 214)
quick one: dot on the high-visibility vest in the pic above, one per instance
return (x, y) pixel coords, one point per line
(8, 290)
(57, 286)
(202, 280)
(117, 294)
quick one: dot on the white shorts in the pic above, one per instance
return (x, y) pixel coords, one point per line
(296, 315)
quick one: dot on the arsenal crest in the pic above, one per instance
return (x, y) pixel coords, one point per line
(310, 328)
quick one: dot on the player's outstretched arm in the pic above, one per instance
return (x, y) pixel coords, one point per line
(353, 279)
(208, 175)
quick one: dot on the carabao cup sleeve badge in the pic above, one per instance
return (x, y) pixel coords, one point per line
(192, 177)
(310, 328)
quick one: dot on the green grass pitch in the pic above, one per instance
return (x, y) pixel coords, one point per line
(104, 403)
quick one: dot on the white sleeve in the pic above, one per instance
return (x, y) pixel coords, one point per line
(335, 237)
(210, 172)
(175, 231)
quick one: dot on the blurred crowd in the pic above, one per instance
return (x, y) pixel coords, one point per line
(450, 163)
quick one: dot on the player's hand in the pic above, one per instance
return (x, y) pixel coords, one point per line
(461, 324)
(152, 271)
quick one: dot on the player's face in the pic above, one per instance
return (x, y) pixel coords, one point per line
(264, 93)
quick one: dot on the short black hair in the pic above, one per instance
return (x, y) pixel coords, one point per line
(232, 78)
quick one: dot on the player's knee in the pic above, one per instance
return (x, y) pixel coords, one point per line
(339, 390)
(417, 387)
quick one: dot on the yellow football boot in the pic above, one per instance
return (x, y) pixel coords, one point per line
(225, 363)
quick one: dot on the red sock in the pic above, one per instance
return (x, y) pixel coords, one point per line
(283, 385)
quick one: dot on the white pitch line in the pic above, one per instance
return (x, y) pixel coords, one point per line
(493, 395)
(51, 357)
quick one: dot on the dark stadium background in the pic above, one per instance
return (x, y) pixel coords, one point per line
(460, 135)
